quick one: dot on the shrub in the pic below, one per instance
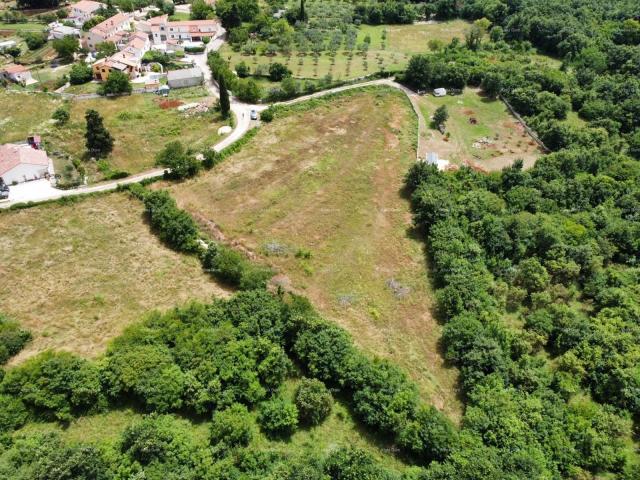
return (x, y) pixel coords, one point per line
(314, 401)
(174, 226)
(12, 338)
(233, 426)
(278, 71)
(55, 385)
(278, 417)
(35, 40)
(178, 160)
(13, 413)
(267, 115)
(80, 73)
(118, 83)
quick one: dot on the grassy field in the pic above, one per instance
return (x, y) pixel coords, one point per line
(338, 429)
(78, 274)
(140, 127)
(326, 184)
(402, 41)
(22, 27)
(504, 139)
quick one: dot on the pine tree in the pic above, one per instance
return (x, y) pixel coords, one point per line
(99, 140)
(225, 105)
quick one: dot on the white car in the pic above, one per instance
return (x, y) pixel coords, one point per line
(254, 115)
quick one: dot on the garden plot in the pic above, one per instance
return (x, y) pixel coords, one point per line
(480, 131)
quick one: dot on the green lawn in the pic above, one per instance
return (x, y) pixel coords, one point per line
(90, 87)
(23, 27)
(392, 54)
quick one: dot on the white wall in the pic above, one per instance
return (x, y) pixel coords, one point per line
(23, 172)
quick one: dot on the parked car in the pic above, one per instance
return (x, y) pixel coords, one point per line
(254, 115)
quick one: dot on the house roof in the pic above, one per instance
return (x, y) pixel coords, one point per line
(194, 72)
(87, 6)
(13, 155)
(12, 68)
(111, 23)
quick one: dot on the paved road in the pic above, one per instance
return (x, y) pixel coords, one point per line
(41, 190)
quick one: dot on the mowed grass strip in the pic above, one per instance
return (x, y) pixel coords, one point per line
(139, 126)
(317, 194)
(76, 275)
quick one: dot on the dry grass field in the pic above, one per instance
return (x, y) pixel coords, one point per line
(317, 194)
(77, 274)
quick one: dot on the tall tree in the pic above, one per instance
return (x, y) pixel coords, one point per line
(302, 16)
(99, 140)
(225, 104)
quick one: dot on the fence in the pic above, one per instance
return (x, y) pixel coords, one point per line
(527, 128)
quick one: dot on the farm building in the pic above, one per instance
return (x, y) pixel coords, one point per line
(188, 77)
(23, 162)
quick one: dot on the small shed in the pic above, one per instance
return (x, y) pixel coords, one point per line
(188, 77)
(440, 92)
(7, 44)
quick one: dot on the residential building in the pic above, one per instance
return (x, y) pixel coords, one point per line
(7, 44)
(58, 30)
(128, 60)
(163, 30)
(83, 10)
(111, 30)
(188, 77)
(16, 73)
(23, 162)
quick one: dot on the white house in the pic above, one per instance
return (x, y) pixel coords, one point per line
(20, 163)
(163, 30)
(57, 30)
(83, 11)
(17, 74)
(6, 44)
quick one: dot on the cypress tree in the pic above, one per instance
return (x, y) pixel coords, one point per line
(303, 14)
(225, 104)
(99, 140)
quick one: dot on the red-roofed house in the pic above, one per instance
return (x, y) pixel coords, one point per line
(16, 73)
(20, 163)
(103, 31)
(83, 10)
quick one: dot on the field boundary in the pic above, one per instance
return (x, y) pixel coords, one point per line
(528, 129)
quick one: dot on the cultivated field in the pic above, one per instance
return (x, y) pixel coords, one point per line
(138, 124)
(391, 54)
(77, 274)
(317, 194)
(481, 130)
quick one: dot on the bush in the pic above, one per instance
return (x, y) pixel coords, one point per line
(80, 73)
(278, 417)
(314, 401)
(118, 83)
(55, 386)
(194, 49)
(178, 160)
(13, 414)
(278, 71)
(12, 338)
(233, 426)
(35, 40)
(174, 226)
(267, 115)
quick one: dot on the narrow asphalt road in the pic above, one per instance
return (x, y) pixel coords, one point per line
(42, 190)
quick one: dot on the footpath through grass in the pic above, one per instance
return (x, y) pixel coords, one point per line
(317, 194)
(77, 274)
